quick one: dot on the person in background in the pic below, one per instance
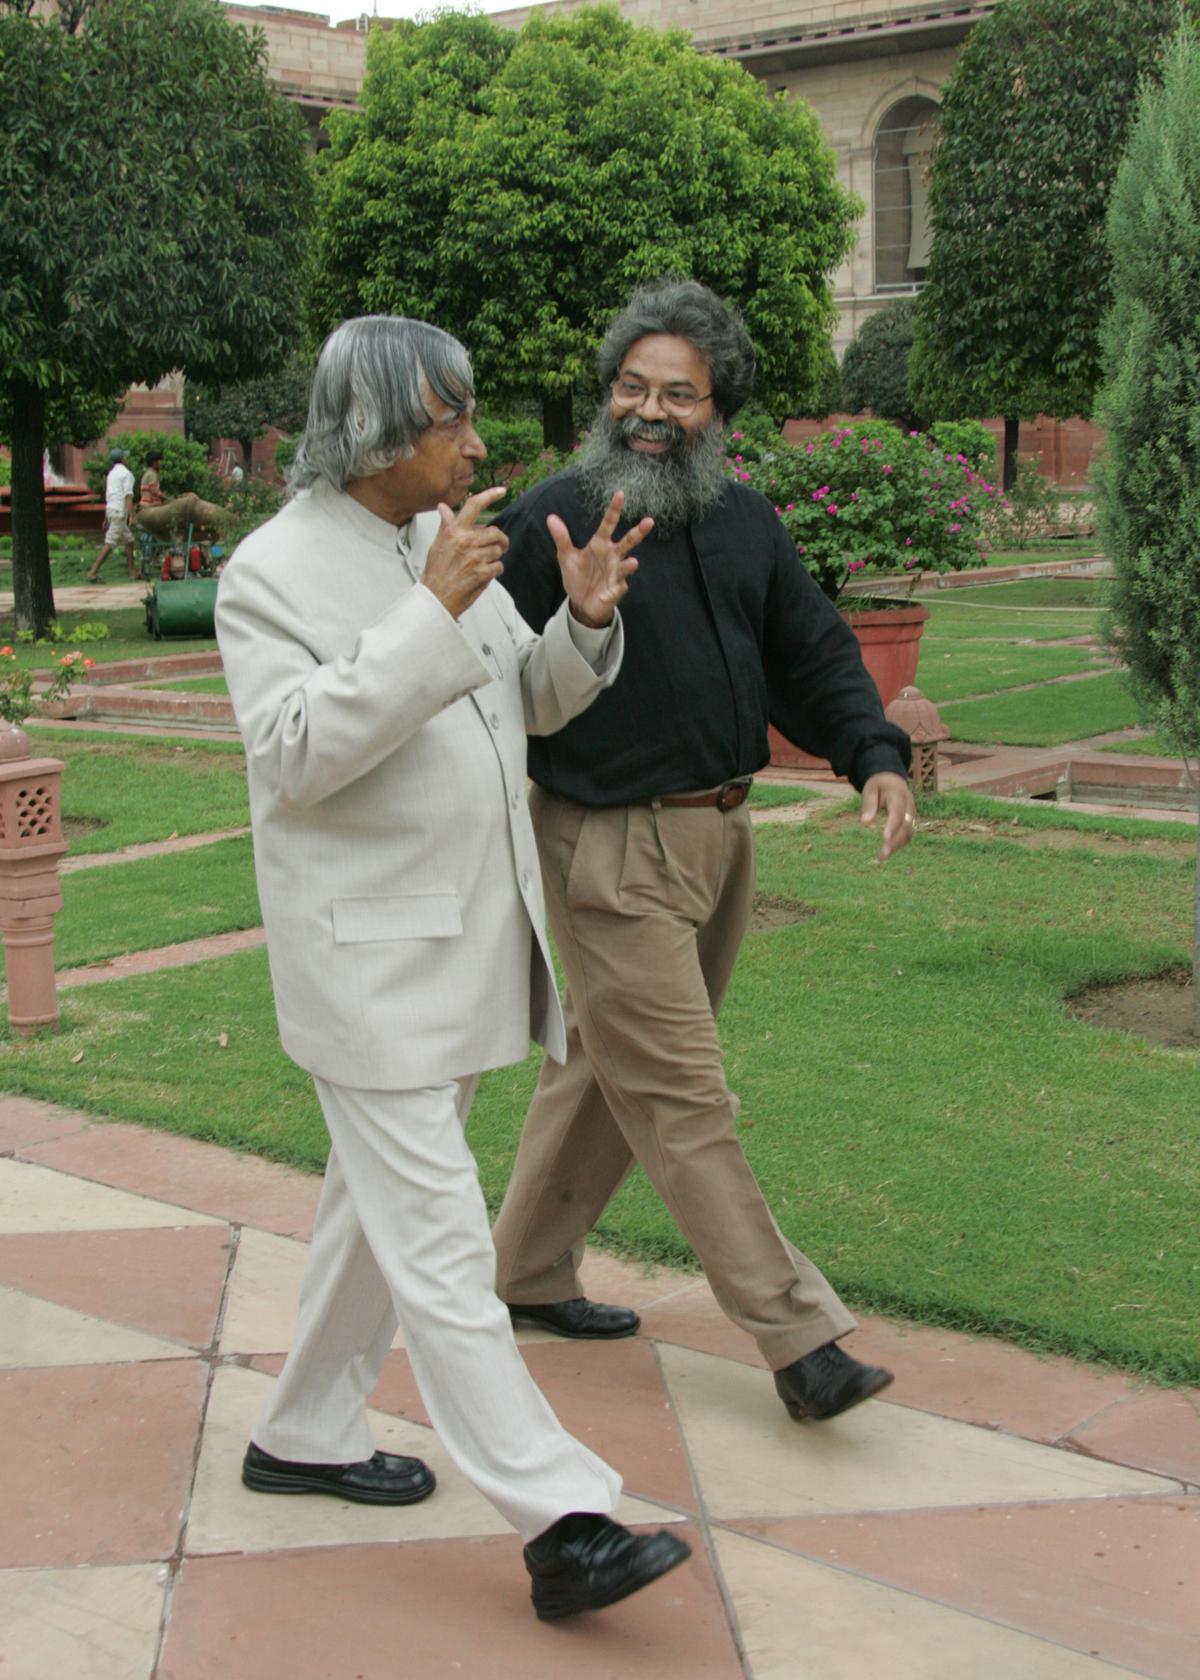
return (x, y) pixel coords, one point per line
(118, 514)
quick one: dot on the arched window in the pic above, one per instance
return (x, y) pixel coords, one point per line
(902, 238)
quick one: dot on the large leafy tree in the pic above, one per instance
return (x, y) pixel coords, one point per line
(1149, 479)
(246, 409)
(155, 201)
(1033, 120)
(875, 366)
(515, 189)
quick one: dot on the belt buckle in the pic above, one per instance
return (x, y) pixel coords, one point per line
(731, 795)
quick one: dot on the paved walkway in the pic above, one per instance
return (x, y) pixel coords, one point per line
(995, 1515)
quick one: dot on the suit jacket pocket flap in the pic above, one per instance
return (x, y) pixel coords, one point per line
(409, 916)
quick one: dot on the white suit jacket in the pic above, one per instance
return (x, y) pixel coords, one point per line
(385, 750)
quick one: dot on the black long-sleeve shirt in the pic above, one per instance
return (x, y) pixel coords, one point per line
(724, 630)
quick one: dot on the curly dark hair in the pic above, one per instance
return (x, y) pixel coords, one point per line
(686, 309)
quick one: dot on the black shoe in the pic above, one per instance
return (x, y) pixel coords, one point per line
(581, 1319)
(382, 1479)
(586, 1561)
(826, 1382)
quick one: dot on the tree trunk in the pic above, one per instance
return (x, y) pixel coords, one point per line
(1012, 431)
(32, 590)
(558, 421)
(247, 445)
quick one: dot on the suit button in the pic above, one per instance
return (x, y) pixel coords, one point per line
(525, 879)
(514, 800)
(494, 720)
(485, 649)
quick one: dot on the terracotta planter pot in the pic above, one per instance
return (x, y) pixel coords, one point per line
(890, 639)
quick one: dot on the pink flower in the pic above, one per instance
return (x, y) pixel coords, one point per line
(908, 542)
(886, 468)
(735, 437)
(810, 449)
(830, 507)
(956, 528)
(738, 459)
(820, 495)
(790, 506)
(855, 565)
(6, 650)
(854, 495)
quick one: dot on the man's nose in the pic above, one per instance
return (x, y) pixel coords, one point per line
(473, 446)
(653, 399)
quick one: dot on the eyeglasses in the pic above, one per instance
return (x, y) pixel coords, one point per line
(631, 393)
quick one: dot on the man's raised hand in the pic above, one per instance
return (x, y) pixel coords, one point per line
(596, 576)
(465, 556)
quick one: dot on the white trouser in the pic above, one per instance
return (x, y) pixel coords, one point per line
(402, 1236)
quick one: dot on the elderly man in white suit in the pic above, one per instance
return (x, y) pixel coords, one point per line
(384, 686)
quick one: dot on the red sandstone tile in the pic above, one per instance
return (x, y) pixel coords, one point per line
(165, 1282)
(1113, 1578)
(99, 1461)
(24, 1122)
(979, 1380)
(608, 1395)
(692, 1319)
(1153, 1429)
(445, 1607)
(201, 1176)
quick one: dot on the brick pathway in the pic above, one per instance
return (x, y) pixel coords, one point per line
(995, 1515)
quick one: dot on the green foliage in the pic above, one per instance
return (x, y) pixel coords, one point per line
(246, 409)
(1148, 482)
(285, 454)
(875, 366)
(156, 202)
(58, 635)
(515, 188)
(184, 465)
(969, 438)
(870, 496)
(1032, 122)
(1025, 512)
(73, 415)
(252, 503)
(513, 443)
(18, 700)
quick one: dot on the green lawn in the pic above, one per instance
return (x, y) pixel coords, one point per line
(928, 1120)
(193, 685)
(1045, 717)
(1151, 746)
(128, 639)
(951, 669)
(124, 790)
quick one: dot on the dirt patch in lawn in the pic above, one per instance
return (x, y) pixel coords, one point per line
(778, 912)
(73, 827)
(1158, 1008)
(1054, 839)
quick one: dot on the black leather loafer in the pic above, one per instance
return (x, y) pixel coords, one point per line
(382, 1479)
(826, 1382)
(581, 1319)
(587, 1561)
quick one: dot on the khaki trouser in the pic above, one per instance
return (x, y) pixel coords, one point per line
(649, 905)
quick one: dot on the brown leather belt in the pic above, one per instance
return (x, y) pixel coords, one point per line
(726, 798)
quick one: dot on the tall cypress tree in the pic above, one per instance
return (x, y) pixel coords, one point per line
(1148, 484)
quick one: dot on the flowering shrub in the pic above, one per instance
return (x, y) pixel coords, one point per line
(17, 699)
(869, 497)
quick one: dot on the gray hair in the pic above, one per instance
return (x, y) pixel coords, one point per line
(686, 309)
(366, 407)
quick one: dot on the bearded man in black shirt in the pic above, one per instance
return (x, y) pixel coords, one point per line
(646, 847)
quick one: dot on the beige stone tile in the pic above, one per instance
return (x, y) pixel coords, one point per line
(264, 1294)
(801, 1620)
(36, 1332)
(37, 1199)
(227, 1517)
(750, 1459)
(80, 1624)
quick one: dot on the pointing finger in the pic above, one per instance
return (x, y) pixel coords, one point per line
(474, 505)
